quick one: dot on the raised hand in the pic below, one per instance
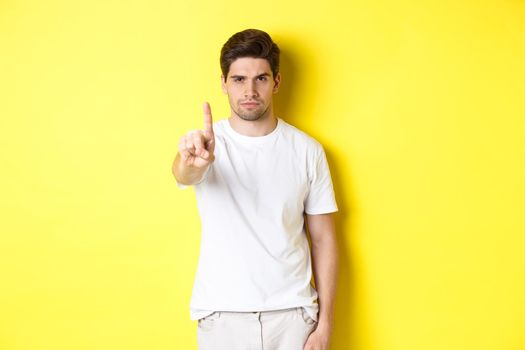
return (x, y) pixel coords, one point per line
(196, 147)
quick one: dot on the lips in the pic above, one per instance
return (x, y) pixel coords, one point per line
(249, 104)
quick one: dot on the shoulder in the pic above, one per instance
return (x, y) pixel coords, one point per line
(219, 126)
(301, 137)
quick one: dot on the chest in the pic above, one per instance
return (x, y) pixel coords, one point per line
(274, 175)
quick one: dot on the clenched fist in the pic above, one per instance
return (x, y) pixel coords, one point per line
(196, 147)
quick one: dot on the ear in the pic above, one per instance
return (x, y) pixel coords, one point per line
(223, 84)
(277, 81)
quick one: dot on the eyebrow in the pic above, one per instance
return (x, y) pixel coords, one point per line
(257, 76)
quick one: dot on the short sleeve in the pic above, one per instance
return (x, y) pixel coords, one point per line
(320, 198)
(204, 176)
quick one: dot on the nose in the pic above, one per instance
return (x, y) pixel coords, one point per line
(250, 90)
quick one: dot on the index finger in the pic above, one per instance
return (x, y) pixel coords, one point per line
(208, 121)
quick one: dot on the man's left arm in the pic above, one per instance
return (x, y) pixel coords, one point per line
(325, 265)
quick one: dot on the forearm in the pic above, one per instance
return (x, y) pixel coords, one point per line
(186, 175)
(325, 266)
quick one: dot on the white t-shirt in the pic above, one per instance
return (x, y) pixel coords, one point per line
(254, 253)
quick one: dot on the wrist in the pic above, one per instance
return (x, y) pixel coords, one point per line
(325, 324)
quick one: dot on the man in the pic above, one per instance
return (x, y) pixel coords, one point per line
(256, 179)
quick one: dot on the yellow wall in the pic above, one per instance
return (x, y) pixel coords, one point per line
(420, 106)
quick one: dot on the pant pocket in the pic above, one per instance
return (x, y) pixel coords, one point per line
(208, 323)
(307, 318)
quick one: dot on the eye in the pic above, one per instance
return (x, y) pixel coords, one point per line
(238, 79)
(263, 78)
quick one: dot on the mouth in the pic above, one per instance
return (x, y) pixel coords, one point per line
(249, 104)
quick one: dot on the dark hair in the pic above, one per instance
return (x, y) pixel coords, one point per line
(250, 43)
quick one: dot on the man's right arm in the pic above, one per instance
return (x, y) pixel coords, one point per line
(195, 152)
(186, 175)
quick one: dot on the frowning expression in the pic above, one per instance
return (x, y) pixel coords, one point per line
(250, 85)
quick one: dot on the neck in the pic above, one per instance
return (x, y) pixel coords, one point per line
(260, 127)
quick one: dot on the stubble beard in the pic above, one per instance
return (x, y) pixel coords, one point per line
(251, 115)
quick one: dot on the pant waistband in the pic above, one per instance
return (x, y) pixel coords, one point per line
(255, 314)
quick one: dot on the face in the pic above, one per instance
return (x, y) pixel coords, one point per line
(250, 86)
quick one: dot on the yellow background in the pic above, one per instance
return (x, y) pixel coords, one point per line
(420, 107)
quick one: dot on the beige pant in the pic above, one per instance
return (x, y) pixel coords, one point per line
(285, 329)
